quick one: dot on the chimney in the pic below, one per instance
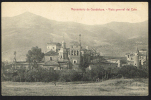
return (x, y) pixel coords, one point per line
(80, 40)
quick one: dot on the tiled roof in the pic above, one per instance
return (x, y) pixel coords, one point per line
(54, 43)
(51, 53)
(131, 54)
(142, 54)
(83, 49)
(143, 50)
(74, 43)
(26, 63)
(63, 61)
(51, 63)
(22, 62)
(127, 53)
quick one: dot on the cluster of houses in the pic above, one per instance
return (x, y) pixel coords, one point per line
(59, 57)
(138, 59)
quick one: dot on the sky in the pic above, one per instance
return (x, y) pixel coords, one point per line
(61, 11)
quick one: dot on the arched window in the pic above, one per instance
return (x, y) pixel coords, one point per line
(74, 52)
(74, 61)
(71, 52)
(77, 52)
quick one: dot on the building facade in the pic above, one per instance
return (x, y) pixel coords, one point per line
(53, 46)
(58, 57)
(138, 58)
(67, 58)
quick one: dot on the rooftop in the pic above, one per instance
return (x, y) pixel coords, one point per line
(73, 43)
(51, 53)
(142, 50)
(142, 54)
(63, 61)
(51, 63)
(24, 62)
(54, 43)
(131, 54)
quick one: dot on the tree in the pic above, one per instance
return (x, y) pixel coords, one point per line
(131, 71)
(21, 73)
(96, 72)
(34, 55)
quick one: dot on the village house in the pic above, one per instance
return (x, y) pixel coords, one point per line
(138, 58)
(59, 57)
(66, 58)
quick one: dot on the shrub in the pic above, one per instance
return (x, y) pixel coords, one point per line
(70, 75)
(130, 71)
(86, 76)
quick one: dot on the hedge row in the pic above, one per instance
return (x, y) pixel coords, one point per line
(42, 75)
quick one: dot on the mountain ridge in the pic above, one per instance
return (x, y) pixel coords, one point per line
(27, 30)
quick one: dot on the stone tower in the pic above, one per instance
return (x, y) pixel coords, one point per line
(75, 53)
(136, 59)
(63, 44)
(63, 54)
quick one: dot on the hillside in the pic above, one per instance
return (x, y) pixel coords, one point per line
(20, 33)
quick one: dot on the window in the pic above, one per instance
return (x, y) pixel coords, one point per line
(71, 52)
(128, 56)
(74, 61)
(77, 52)
(51, 58)
(53, 47)
(74, 52)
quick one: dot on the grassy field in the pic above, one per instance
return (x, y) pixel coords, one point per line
(112, 87)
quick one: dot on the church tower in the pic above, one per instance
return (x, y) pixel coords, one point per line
(63, 44)
(75, 54)
(63, 54)
(136, 59)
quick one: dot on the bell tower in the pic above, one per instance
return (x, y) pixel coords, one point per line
(63, 54)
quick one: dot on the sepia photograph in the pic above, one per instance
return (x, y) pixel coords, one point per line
(74, 49)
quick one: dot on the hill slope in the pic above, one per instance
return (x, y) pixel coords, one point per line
(20, 33)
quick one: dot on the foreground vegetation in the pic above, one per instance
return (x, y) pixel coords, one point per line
(35, 73)
(39, 74)
(124, 81)
(112, 87)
